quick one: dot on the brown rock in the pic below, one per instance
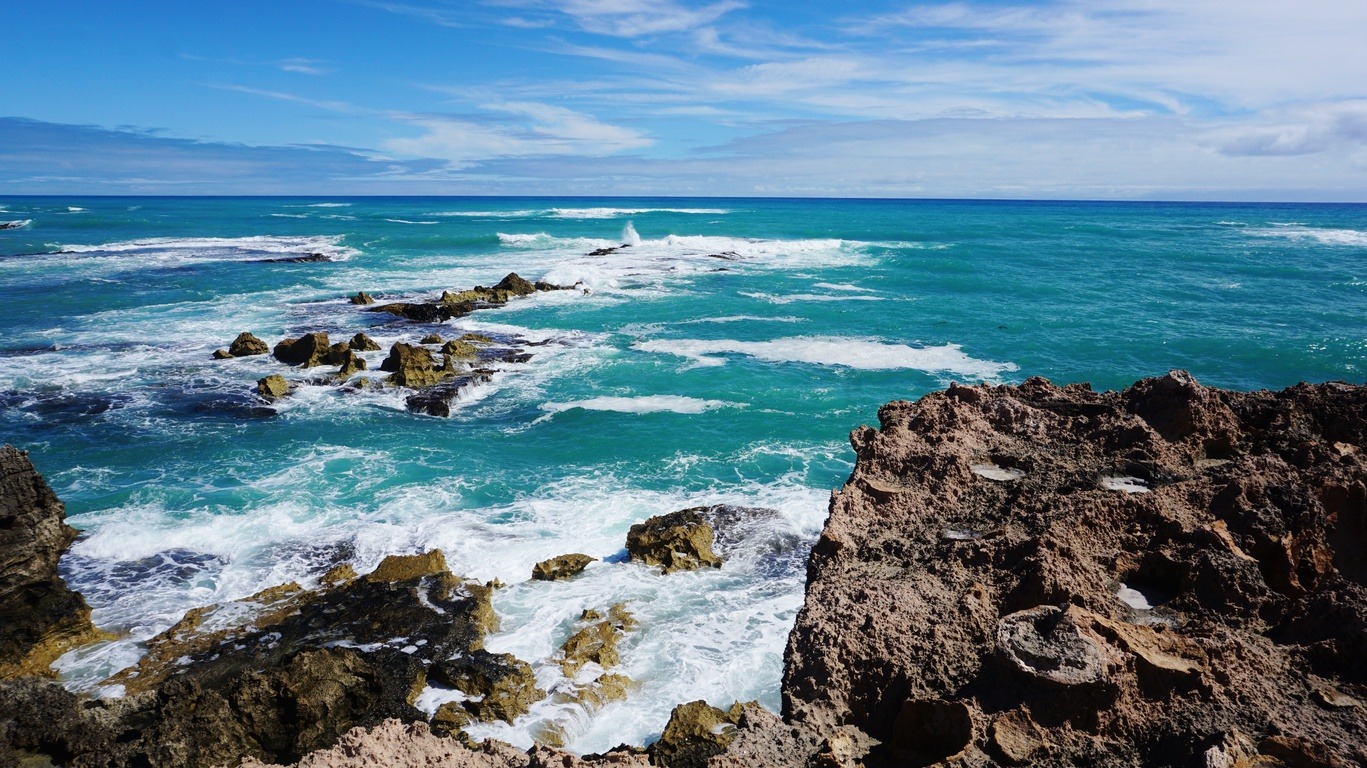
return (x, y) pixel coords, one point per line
(362, 297)
(696, 731)
(412, 366)
(273, 387)
(363, 343)
(222, 354)
(678, 541)
(462, 350)
(561, 567)
(504, 686)
(309, 350)
(42, 617)
(351, 364)
(246, 345)
(431, 338)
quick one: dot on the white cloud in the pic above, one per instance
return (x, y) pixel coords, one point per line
(304, 66)
(543, 130)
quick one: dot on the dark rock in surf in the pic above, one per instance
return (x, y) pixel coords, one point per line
(412, 366)
(431, 338)
(363, 343)
(246, 345)
(307, 258)
(222, 354)
(309, 350)
(437, 400)
(678, 541)
(351, 364)
(273, 387)
(362, 298)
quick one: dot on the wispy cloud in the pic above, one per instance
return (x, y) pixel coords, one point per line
(305, 66)
(539, 130)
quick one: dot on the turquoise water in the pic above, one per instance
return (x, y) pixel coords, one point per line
(672, 378)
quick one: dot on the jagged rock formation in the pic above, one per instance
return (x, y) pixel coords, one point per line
(307, 351)
(462, 303)
(246, 345)
(678, 541)
(561, 567)
(41, 617)
(1169, 575)
(272, 387)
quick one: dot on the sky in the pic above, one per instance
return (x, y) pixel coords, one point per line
(1075, 99)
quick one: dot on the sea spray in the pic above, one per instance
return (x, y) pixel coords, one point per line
(629, 236)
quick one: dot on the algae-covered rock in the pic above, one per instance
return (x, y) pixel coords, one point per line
(363, 343)
(222, 354)
(450, 718)
(696, 731)
(516, 285)
(337, 353)
(504, 685)
(412, 366)
(404, 567)
(562, 567)
(462, 350)
(40, 618)
(678, 541)
(309, 350)
(476, 338)
(273, 387)
(431, 338)
(596, 642)
(246, 345)
(362, 297)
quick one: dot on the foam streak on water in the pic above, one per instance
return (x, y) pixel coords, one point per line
(723, 357)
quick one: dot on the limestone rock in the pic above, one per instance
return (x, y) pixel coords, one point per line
(412, 366)
(273, 387)
(596, 642)
(695, 733)
(351, 364)
(222, 354)
(561, 567)
(504, 686)
(431, 338)
(246, 345)
(363, 343)
(362, 297)
(677, 541)
(462, 350)
(42, 617)
(309, 350)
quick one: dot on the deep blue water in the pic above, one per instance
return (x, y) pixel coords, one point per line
(722, 358)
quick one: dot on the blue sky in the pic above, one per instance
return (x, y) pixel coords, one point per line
(1138, 99)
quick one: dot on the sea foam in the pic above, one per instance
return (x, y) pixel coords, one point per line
(643, 404)
(861, 354)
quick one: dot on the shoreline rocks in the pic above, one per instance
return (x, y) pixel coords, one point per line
(678, 541)
(561, 567)
(43, 618)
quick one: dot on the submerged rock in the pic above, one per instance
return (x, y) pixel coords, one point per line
(309, 350)
(42, 618)
(678, 541)
(561, 567)
(596, 642)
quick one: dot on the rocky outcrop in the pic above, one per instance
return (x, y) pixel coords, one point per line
(1169, 575)
(501, 686)
(363, 343)
(413, 366)
(246, 345)
(42, 618)
(696, 731)
(461, 303)
(431, 338)
(362, 298)
(561, 567)
(309, 350)
(678, 541)
(273, 387)
(274, 676)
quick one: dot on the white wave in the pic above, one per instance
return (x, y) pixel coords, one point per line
(544, 241)
(222, 248)
(612, 213)
(792, 297)
(643, 404)
(855, 353)
(328, 205)
(406, 221)
(742, 319)
(843, 287)
(290, 215)
(1323, 235)
(489, 214)
(629, 236)
(18, 223)
(74, 209)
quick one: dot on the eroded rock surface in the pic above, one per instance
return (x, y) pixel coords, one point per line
(678, 541)
(1169, 575)
(561, 567)
(40, 618)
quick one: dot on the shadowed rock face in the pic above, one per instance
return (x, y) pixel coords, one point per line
(40, 618)
(1168, 575)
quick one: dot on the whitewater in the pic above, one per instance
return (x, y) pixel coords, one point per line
(721, 358)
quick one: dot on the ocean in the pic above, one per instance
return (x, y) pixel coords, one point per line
(722, 359)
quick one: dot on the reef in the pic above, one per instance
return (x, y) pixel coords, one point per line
(1169, 575)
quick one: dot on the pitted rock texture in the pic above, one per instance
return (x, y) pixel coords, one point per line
(1168, 575)
(40, 618)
